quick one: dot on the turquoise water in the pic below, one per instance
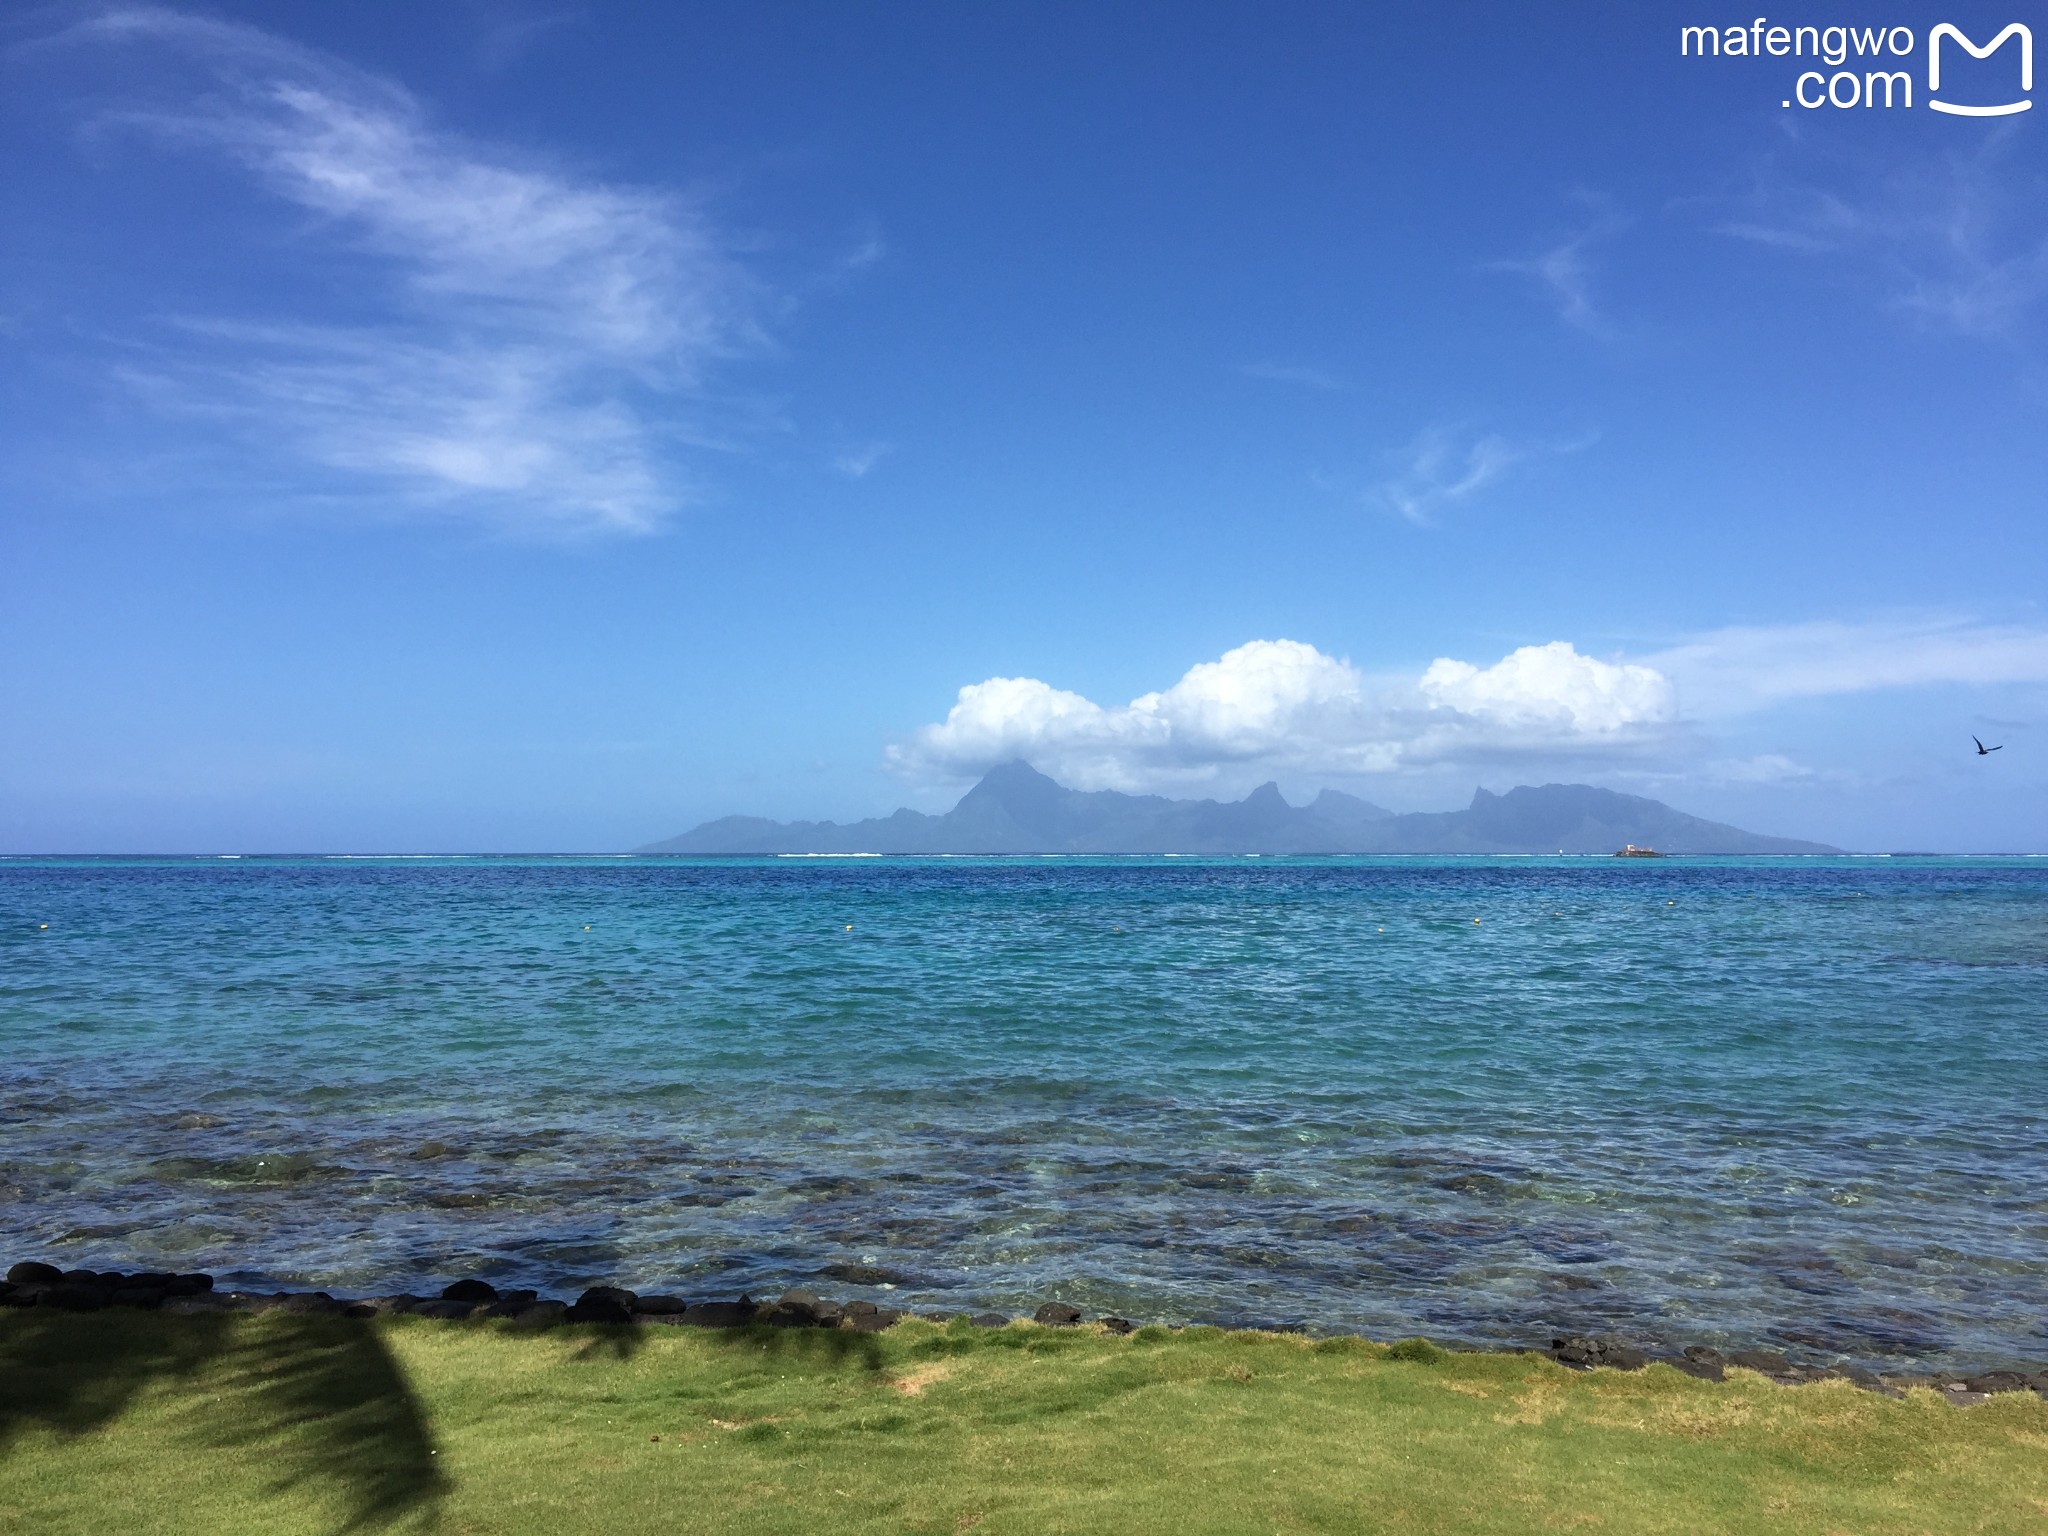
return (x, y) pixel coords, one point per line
(1797, 1102)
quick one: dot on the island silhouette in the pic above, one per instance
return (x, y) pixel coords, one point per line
(1017, 809)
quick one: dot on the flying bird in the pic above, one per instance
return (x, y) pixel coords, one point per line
(1984, 751)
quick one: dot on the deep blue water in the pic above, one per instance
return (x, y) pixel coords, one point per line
(1725, 1101)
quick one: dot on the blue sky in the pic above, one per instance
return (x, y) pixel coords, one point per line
(506, 428)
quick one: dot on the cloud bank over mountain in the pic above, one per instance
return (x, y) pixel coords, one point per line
(1283, 704)
(1285, 707)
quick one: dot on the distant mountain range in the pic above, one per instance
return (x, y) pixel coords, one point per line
(1016, 809)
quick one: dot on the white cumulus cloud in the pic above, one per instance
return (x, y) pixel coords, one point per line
(1553, 687)
(1282, 707)
(1275, 705)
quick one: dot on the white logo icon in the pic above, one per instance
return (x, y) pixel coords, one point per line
(1946, 29)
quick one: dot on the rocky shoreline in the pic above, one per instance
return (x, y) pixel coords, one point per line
(35, 1284)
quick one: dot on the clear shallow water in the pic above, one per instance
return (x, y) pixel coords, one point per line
(1717, 1101)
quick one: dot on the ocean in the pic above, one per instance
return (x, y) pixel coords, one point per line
(1785, 1102)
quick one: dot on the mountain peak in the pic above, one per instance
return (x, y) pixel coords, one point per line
(1013, 783)
(1016, 771)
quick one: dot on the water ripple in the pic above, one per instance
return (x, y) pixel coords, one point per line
(1721, 1101)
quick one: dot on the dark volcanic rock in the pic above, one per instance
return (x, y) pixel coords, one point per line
(83, 1277)
(657, 1305)
(1576, 1349)
(800, 1309)
(189, 1285)
(73, 1298)
(1801, 1375)
(508, 1304)
(1057, 1314)
(1119, 1325)
(1767, 1361)
(146, 1297)
(1698, 1360)
(989, 1320)
(864, 1317)
(720, 1314)
(29, 1272)
(602, 1304)
(470, 1290)
(540, 1314)
(1999, 1381)
(864, 1274)
(308, 1302)
(1586, 1351)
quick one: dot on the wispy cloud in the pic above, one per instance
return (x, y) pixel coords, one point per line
(508, 31)
(1956, 238)
(859, 463)
(531, 335)
(1292, 373)
(865, 249)
(1739, 670)
(1444, 467)
(1563, 271)
(1810, 220)
(1764, 768)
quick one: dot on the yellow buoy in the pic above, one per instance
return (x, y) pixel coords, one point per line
(42, 925)
(1475, 921)
(849, 927)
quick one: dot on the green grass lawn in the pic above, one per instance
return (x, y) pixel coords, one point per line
(128, 1422)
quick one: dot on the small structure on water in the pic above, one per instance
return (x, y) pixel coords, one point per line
(1631, 851)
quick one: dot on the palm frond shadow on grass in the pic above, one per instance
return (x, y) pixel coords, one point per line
(320, 1400)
